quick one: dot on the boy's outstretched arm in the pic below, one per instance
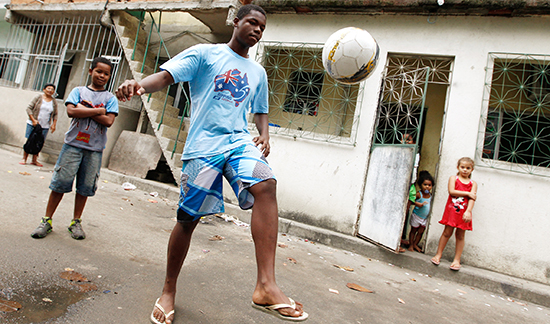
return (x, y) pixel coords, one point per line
(150, 84)
(262, 141)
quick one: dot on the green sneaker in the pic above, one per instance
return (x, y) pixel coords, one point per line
(76, 229)
(43, 229)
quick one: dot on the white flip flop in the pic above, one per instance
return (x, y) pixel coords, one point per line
(166, 315)
(273, 310)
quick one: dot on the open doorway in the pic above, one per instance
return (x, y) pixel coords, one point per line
(412, 104)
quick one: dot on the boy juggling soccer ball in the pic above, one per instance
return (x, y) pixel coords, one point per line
(93, 109)
(224, 83)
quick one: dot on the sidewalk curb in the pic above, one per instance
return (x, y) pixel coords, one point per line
(497, 283)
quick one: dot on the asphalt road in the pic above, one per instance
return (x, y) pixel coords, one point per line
(124, 255)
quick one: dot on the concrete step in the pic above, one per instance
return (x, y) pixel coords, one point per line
(136, 64)
(169, 131)
(159, 99)
(180, 144)
(170, 121)
(158, 105)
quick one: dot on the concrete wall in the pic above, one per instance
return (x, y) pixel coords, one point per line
(321, 184)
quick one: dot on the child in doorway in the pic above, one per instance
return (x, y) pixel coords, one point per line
(421, 209)
(93, 109)
(458, 210)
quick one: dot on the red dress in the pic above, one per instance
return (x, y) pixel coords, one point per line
(456, 206)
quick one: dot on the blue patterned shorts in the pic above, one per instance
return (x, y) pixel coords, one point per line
(202, 184)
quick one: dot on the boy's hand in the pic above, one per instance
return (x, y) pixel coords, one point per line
(472, 195)
(101, 111)
(467, 216)
(424, 203)
(128, 89)
(52, 128)
(263, 144)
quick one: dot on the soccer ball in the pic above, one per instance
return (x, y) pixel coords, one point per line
(350, 55)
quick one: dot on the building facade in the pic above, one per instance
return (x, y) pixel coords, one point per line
(462, 80)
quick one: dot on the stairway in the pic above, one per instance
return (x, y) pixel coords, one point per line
(164, 125)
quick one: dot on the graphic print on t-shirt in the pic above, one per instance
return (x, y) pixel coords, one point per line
(233, 82)
(83, 137)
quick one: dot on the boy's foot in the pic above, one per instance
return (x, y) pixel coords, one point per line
(22, 162)
(76, 229)
(43, 229)
(38, 164)
(290, 311)
(160, 316)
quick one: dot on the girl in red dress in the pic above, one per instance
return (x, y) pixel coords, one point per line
(458, 210)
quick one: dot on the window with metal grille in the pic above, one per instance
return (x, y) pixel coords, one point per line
(515, 125)
(41, 50)
(304, 90)
(304, 101)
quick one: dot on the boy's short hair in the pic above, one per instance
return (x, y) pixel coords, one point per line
(246, 9)
(48, 85)
(423, 176)
(101, 59)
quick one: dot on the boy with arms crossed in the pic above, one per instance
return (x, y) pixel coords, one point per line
(224, 83)
(93, 109)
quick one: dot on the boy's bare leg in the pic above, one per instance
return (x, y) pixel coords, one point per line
(447, 233)
(79, 204)
(264, 226)
(53, 202)
(178, 246)
(459, 236)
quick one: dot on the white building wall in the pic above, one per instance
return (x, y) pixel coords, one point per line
(322, 183)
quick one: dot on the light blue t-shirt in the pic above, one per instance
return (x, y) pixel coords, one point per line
(86, 133)
(224, 86)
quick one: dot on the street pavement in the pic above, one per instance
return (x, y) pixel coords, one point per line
(124, 256)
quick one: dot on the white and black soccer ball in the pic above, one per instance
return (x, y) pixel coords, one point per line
(350, 55)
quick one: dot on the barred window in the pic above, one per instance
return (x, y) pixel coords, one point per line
(41, 51)
(304, 102)
(515, 128)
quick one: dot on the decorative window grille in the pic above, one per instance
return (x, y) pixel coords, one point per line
(305, 102)
(400, 113)
(40, 52)
(514, 131)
